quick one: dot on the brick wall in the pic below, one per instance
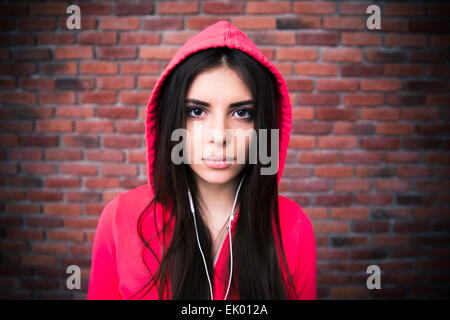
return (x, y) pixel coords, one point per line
(369, 151)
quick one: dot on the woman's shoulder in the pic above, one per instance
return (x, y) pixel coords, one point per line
(293, 219)
(125, 208)
(291, 211)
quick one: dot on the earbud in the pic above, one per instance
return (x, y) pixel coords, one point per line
(191, 203)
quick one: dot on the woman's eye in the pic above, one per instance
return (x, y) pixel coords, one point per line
(243, 113)
(195, 112)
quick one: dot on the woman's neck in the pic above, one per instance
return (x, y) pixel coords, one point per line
(217, 202)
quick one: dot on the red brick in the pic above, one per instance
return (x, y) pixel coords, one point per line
(380, 85)
(127, 8)
(78, 169)
(394, 129)
(50, 248)
(301, 142)
(335, 200)
(119, 170)
(31, 54)
(350, 213)
(352, 185)
(62, 209)
(37, 84)
(314, 7)
(303, 113)
(338, 23)
(330, 226)
(97, 37)
(93, 126)
(102, 183)
(122, 142)
(54, 125)
(156, 52)
(128, 97)
(79, 83)
(18, 233)
(380, 143)
(187, 7)
(116, 112)
(309, 186)
(47, 222)
(62, 182)
(66, 235)
(336, 114)
(321, 39)
(42, 9)
(17, 68)
(409, 40)
(352, 55)
(163, 24)
(402, 9)
(319, 99)
(238, 8)
(360, 39)
(80, 223)
(114, 53)
(66, 155)
(15, 9)
(363, 100)
(319, 158)
(311, 128)
(333, 172)
(313, 69)
(359, 70)
(99, 97)
(147, 82)
(139, 67)
(273, 38)
(298, 23)
(119, 82)
(403, 70)
(33, 259)
(442, 100)
(296, 54)
(95, 8)
(98, 67)
(18, 98)
(249, 22)
(58, 68)
(337, 142)
(35, 24)
(141, 38)
(74, 52)
(58, 97)
(405, 100)
(115, 23)
(259, 8)
(337, 85)
(74, 112)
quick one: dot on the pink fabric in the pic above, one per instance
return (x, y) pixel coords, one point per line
(117, 270)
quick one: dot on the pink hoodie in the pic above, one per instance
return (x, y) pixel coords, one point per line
(117, 270)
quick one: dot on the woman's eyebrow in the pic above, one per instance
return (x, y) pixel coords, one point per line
(232, 105)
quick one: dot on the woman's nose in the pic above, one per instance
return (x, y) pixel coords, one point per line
(217, 131)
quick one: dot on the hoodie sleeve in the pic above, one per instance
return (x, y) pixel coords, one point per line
(104, 279)
(305, 272)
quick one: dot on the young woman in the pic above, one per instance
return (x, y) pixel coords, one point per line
(211, 226)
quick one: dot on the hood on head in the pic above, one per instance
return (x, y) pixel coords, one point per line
(219, 34)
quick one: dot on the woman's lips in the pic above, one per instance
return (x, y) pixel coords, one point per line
(218, 163)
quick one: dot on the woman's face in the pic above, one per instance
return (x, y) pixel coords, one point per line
(218, 128)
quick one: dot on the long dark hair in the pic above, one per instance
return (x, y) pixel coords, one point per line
(256, 270)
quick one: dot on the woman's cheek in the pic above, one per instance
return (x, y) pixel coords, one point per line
(194, 142)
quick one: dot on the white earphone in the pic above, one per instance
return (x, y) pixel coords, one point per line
(229, 236)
